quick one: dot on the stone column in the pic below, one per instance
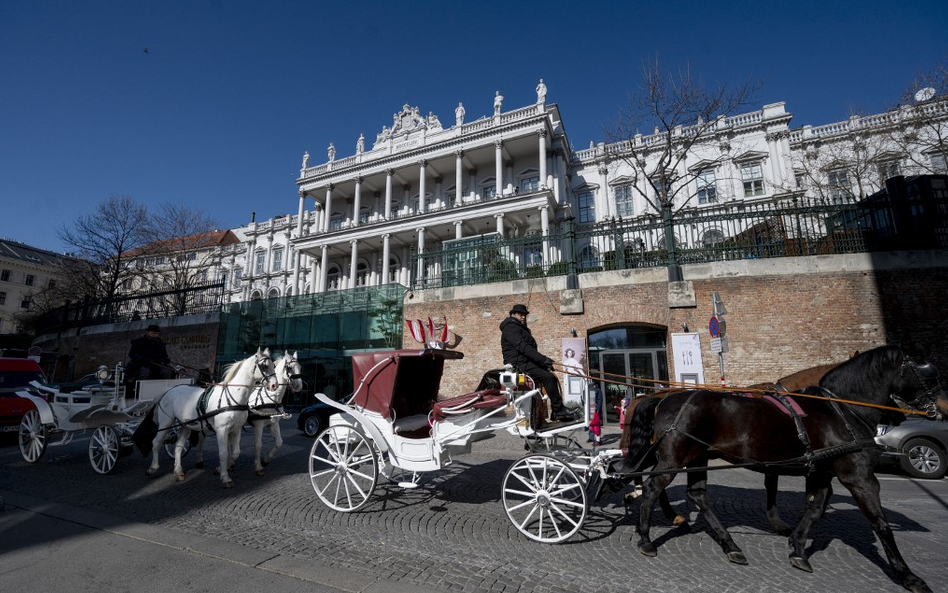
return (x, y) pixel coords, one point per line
(472, 175)
(439, 192)
(604, 204)
(500, 224)
(421, 259)
(458, 229)
(354, 263)
(422, 204)
(357, 202)
(299, 233)
(545, 230)
(324, 269)
(388, 193)
(458, 167)
(543, 180)
(385, 257)
(328, 209)
(499, 168)
(313, 275)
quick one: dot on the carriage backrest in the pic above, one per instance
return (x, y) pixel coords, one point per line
(399, 383)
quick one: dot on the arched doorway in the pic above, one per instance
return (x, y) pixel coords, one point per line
(628, 350)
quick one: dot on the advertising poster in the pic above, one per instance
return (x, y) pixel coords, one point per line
(576, 367)
(687, 351)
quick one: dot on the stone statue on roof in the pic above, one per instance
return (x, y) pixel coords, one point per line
(541, 92)
(459, 115)
(498, 102)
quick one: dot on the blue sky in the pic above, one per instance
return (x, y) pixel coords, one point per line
(219, 111)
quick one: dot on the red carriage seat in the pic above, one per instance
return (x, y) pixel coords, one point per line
(485, 399)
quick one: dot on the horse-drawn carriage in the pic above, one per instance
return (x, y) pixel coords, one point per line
(59, 417)
(395, 426)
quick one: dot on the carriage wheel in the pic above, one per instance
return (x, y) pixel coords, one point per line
(343, 468)
(104, 449)
(32, 437)
(170, 438)
(544, 498)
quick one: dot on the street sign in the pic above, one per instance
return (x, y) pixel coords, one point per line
(718, 345)
(713, 328)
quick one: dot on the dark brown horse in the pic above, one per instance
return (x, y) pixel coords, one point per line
(797, 381)
(689, 428)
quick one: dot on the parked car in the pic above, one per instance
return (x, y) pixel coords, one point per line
(314, 418)
(918, 445)
(16, 374)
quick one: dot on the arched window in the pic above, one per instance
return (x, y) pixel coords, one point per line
(362, 274)
(712, 237)
(273, 293)
(393, 269)
(588, 257)
(332, 278)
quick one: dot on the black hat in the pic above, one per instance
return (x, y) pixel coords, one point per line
(154, 328)
(518, 308)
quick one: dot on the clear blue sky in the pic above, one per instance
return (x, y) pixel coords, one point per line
(219, 111)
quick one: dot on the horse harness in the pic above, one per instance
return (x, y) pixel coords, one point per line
(203, 416)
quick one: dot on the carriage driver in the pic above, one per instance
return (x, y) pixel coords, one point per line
(148, 358)
(520, 350)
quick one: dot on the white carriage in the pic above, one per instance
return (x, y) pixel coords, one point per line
(394, 426)
(60, 417)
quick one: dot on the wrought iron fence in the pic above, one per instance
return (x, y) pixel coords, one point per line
(206, 298)
(793, 226)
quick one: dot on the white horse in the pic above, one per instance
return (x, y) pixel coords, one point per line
(222, 409)
(266, 408)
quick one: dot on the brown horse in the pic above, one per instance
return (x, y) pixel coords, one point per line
(689, 428)
(794, 382)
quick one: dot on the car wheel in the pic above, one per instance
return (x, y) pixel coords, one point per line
(312, 426)
(924, 459)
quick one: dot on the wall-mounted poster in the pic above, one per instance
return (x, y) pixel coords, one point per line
(575, 367)
(687, 352)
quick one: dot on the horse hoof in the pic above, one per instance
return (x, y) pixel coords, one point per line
(737, 558)
(179, 477)
(199, 465)
(229, 484)
(260, 472)
(647, 549)
(916, 585)
(149, 472)
(801, 563)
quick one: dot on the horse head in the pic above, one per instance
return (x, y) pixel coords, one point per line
(265, 369)
(292, 371)
(920, 389)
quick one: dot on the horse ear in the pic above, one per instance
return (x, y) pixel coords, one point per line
(296, 354)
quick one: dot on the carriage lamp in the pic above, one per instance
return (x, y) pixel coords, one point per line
(102, 374)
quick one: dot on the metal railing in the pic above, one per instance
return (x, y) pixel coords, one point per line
(793, 226)
(206, 298)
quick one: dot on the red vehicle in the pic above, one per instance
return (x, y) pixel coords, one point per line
(15, 375)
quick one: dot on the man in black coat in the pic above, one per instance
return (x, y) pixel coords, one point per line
(520, 350)
(148, 358)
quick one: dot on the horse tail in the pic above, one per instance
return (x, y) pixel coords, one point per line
(642, 423)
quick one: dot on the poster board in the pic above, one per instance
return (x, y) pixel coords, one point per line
(686, 348)
(575, 361)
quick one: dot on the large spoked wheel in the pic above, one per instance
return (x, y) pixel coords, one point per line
(104, 449)
(544, 498)
(171, 437)
(343, 468)
(32, 437)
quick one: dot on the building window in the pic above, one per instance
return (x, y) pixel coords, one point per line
(838, 182)
(712, 237)
(707, 191)
(393, 269)
(238, 276)
(25, 303)
(362, 274)
(5, 275)
(449, 199)
(363, 216)
(490, 191)
(939, 165)
(588, 258)
(30, 278)
(332, 278)
(752, 174)
(624, 201)
(587, 207)
(533, 255)
(335, 223)
(277, 264)
(889, 169)
(52, 284)
(3, 298)
(530, 184)
(260, 259)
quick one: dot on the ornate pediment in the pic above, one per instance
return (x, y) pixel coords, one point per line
(407, 122)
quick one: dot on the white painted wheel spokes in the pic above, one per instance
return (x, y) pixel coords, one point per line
(343, 468)
(544, 498)
(104, 449)
(32, 437)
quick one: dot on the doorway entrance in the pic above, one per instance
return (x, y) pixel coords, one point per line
(635, 350)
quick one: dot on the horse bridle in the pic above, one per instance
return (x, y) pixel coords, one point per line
(263, 392)
(927, 377)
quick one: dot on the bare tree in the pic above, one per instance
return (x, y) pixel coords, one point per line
(685, 115)
(101, 243)
(922, 130)
(180, 250)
